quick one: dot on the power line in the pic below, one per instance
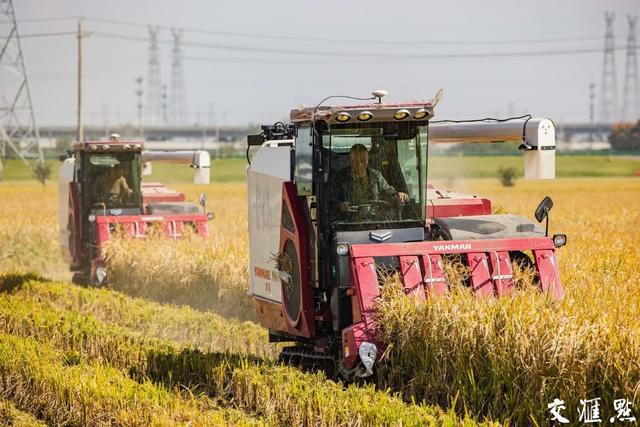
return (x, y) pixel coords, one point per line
(347, 40)
(51, 19)
(356, 54)
(54, 34)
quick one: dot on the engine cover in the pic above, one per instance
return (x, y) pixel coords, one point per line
(487, 227)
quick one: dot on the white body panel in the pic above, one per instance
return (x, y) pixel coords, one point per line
(539, 162)
(200, 162)
(65, 176)
(270, 167)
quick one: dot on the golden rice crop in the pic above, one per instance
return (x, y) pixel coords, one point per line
(29, 230)
(12, 416)
(80, 346)
(204, 330)
(205, 273)
(503, 358)
(508, 358)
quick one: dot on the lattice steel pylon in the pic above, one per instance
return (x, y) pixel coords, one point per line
(631, 93)
(608, 86)
(154, 81)
(177, 96)
(18, 129)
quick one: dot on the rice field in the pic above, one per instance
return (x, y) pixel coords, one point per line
(172, 341)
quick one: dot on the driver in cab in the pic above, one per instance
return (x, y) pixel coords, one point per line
(358, 184)
(113, 186)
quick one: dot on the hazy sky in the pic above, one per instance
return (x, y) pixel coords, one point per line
(405, 47)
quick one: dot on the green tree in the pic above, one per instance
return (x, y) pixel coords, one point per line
(42, 172)
(507, 176)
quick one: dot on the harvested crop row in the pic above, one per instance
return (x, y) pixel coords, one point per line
(12, 416)
(207, 331)
(61, 390)
(282, 395)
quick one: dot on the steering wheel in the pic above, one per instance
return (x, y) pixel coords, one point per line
(370, 208)
(115, 198)
(374, 202)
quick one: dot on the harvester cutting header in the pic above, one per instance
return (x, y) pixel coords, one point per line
(341, 194)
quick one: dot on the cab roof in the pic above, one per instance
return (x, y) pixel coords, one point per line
(103, 146)
(372, 112)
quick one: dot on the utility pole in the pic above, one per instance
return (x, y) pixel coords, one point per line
(592, 97)
(608, 86)
(138, 93)
(631, 93)
(80, 35)
(165, 97)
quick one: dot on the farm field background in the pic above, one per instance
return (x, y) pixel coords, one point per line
(72, 355)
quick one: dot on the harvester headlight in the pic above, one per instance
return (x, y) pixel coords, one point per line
(365, 116)
(105, 147)
(342, 249)
(138, 147)
(368, 353)
(559, 240)
(126, 147)
(343, 117)
(401, 114)
(93, 147)
(420, 114)
(92, 218)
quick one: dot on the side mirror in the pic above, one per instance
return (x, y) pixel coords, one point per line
(542, 211)
(203, 200)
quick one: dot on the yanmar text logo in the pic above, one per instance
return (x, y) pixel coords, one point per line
(453, 247)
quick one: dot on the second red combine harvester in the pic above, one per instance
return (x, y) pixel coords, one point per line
(101, 190)
(341, 194)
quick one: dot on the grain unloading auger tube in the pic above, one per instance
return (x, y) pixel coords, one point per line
(341, 194)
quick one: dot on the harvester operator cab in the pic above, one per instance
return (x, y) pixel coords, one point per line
(375, 174)
(112, 181)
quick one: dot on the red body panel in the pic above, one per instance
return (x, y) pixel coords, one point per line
(74, 223)
(304, 325)
(153, 192)
(421, 271)
(441, 208)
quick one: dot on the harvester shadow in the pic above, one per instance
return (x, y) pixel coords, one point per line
(12, 281)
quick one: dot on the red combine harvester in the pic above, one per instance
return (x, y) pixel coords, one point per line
(341, 194)
(101, 190)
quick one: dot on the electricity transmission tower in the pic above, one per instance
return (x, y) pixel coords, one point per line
(18, 129)
(178, 102)
(631, 93)
(154, 81)
(608, 87)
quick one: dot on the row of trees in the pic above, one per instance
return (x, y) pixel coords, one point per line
(625, 137)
